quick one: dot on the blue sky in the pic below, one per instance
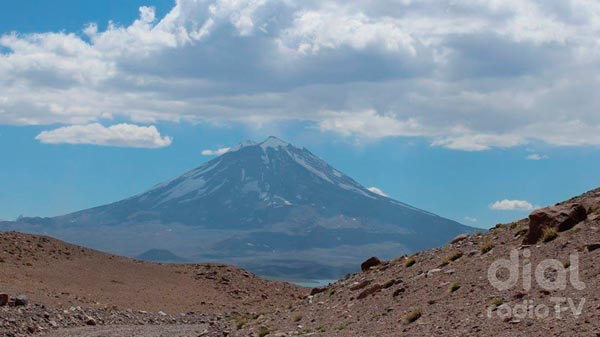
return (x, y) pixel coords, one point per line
(476, 111)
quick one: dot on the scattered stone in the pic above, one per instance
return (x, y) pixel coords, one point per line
(398, 292)
(433, 271)
(592, 247)
(360, 285)
(370, 291)
(21, 300)
(369, 263)
(459, 238)
(35, 318)
(390, 283)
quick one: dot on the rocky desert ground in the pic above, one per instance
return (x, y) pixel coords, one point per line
(63, 285)
(449, 291)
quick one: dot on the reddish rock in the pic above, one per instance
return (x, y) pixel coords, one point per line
(371, 290)
(3, 299)
(360, 285)
(318, 290)
(562, 217)
(371, 262)
(398, 292)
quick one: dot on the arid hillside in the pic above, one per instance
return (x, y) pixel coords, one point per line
(58, 274)
(447, 291)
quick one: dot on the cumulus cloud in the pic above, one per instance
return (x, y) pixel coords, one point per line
(471, 219)
(512, 205)
(377, 191)
(369, 124)
(465, 75)
(536, 156)
(335, 26)
(123, 135)
(216, 152)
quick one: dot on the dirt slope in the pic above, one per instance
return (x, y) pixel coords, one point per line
(447, 292)
(57, 274)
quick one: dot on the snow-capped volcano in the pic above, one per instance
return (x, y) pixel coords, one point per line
(268, 200)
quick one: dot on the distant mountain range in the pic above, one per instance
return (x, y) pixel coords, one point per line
(270, 207)
(160, 255)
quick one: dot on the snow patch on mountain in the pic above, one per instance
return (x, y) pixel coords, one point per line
(241, 146)
(184, 188)
(273, 143)
(304, 163)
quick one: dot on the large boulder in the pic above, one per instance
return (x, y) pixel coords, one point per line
(561, 217)
(369, 263)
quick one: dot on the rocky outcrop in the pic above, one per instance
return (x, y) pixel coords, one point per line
(561, 217)
(369, 263)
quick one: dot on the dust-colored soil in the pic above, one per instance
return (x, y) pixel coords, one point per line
(58, 274)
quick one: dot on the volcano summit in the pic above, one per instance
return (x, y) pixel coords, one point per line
(271, 207)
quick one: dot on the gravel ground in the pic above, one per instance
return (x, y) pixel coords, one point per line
(180, 330)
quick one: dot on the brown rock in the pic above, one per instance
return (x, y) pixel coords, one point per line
(360, 285)
(21, 300)
(390, 283)
(592, 247)
(318, 290)
(562, 217)
(398, 292)
(367, 292)
(3, 299)
(371, 262)
(459, 238)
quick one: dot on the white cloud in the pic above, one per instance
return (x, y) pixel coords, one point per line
(536, 156)
(332, 27)
(216, 152)
(123, 135)
(478, 142)
(465, 75)
(470, 219)
(369, 124)
(512, 205)
(377, 191)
